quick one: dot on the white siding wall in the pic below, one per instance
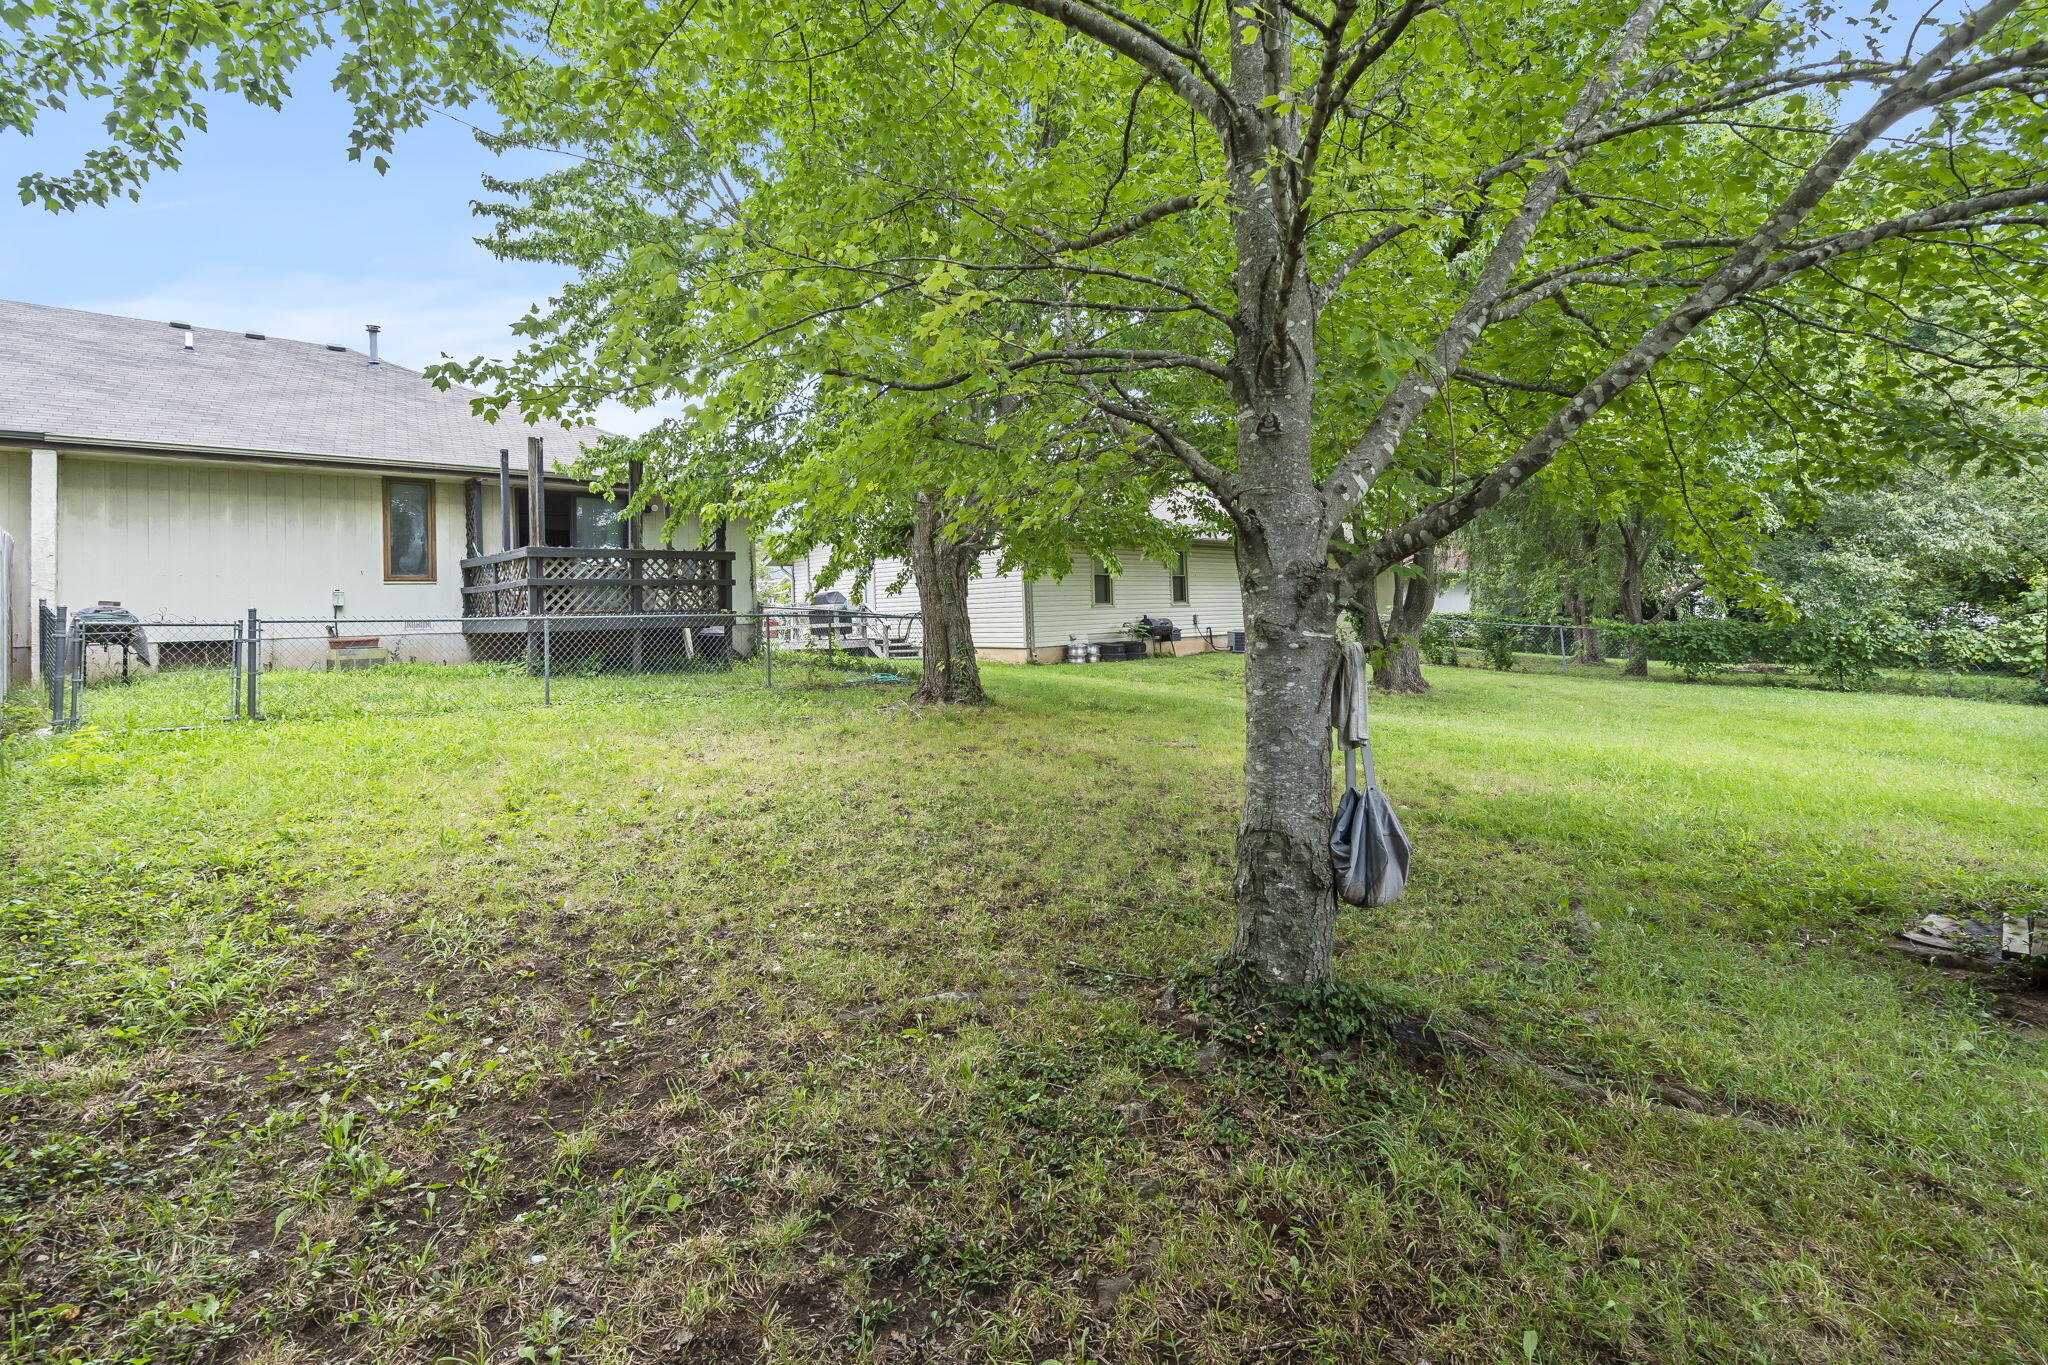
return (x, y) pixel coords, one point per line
(995, 601)
(14, 521)
(745, 570)
(1455, 598)
(207, 541)
(1216, 602)
(1064, 608)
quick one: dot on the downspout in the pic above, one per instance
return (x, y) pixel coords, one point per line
(1030, 625)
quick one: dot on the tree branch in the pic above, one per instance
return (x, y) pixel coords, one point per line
(1202, 92)
(1136, 223)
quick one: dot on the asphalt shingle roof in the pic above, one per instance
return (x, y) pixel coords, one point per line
(97, 379)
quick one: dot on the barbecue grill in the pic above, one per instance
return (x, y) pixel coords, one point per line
(110, 625)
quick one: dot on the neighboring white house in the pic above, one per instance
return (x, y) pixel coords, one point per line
(193, 474)
(1018, 619)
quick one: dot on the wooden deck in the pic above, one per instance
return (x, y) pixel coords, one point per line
(556, 581)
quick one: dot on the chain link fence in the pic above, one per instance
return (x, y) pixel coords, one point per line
(117, 672)
(1954, 661)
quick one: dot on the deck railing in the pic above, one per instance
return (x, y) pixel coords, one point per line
(553, 580)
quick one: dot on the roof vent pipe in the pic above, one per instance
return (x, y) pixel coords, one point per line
(373, 329)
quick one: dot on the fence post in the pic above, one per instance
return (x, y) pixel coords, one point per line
(238, 659)
(55, 667)
(76, 656)
(252, 667)
(547, 663)
(1564, 658)
(767, 650)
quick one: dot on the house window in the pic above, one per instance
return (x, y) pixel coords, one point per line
(1105, 586)
(408, 531)
(597, 524)
(1177, 581)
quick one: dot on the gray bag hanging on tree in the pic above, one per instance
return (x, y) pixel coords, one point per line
(1368, 849)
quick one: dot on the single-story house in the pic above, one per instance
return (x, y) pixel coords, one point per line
(192, 474)
(1018, 619)
(1047, 620)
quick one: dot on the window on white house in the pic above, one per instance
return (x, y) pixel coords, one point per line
(1177, 581)
(597, 524)
(1105, 587)
(408, 531)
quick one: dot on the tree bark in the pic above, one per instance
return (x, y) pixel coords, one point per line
(942, 561)
(1397, 662)
(1635, 553)
(1586, 646)
(1286, 904)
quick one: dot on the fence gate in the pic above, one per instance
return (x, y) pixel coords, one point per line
(124, 674)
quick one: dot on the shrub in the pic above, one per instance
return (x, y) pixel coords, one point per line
(1846, 652)
(1699, 646)
(1437, 645)
(1497, 643)
(2013, 646)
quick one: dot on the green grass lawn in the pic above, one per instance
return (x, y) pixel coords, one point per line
(712, 1023)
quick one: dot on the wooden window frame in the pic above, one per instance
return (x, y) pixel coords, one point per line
(1102, 575)
(1178, 573)
(431, 575)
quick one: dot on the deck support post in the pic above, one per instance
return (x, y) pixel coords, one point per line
(536, 507)
(536, 534)
(504, 500)
(633, 471)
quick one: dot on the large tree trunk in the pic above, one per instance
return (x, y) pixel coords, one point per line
(1286, 907)
(1578, 601)
(1397, 666)
(1635, 553)
(1638, 665)
(1286, 904)
(943, 562)
(1586, 646)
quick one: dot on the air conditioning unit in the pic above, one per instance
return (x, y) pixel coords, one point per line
(1237, 642)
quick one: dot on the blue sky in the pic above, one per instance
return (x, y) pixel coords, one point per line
(269, 227)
